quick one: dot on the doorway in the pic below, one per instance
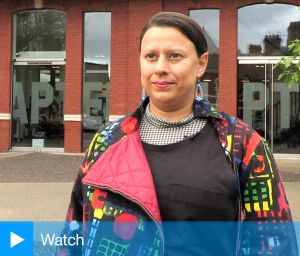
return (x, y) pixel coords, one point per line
(268, 104)
(38, 105)
(38, 76)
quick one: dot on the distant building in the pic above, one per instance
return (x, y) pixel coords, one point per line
(69, 67)
(293, 31)
(272, 45)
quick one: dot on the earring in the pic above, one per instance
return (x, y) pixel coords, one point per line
(198, 89)
(144, 94)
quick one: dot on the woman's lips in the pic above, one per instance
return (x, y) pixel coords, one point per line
(162, 84)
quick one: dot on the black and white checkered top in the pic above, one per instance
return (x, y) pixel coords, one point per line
(157, 131)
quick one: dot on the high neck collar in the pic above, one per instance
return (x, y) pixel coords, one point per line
(163, 123)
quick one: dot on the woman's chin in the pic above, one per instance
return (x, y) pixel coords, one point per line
(162, 98)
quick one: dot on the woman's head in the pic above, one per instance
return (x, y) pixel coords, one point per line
(173, 54)
(181, 22)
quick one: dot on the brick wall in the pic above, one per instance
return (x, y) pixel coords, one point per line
(119, 58)
(228, 58)
(128, 17)
(4, 135)
(73, 80)
(72, 140)
(5, 72)
(176, 6)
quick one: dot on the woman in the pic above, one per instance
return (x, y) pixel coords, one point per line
(176, 159)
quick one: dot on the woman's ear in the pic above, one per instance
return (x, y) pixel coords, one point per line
(202, 63)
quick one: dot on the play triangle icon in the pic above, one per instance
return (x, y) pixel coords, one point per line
(15, 239)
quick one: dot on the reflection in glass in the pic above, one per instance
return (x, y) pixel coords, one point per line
(286, 125)
(270, 106)
(38, 100)
(38, 86)
(253, 97)
(39, 34)
(96, 86)
(209, 22)
(267, 29)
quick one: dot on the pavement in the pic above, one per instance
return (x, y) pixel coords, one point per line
(36, 186)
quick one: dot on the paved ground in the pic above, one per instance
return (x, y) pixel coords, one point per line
(38, 167)
(37, 186)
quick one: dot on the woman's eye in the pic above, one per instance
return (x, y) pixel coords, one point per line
(175, 56)
(151, 56)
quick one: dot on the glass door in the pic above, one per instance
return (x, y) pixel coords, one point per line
(269, 105)
(286, 116)
(38, 78)
(38, 105)
(254, 86)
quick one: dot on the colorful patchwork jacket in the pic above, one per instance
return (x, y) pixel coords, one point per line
(114, 184)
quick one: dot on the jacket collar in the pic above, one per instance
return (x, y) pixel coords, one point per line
(201, 109)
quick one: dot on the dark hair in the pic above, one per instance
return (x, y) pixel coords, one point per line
(183, 23)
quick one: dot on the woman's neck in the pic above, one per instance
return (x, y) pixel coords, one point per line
(172, 114)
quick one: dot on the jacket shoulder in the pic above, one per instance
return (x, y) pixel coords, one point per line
(102, 139)
(108, 136)
(236, 136)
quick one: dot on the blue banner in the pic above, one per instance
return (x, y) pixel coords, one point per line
(149, 238)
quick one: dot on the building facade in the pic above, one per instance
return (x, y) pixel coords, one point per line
(68, 67)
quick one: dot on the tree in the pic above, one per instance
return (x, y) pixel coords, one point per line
(290, 66)
(291, 70)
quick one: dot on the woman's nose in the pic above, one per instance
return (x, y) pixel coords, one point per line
(161, 65)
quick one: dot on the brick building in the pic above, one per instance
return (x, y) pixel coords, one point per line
(67, 67)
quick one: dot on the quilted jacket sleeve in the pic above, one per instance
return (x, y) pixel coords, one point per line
(268, 228)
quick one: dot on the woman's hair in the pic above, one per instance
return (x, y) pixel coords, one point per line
(183, 23)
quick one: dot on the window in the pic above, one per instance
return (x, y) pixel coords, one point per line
(96, 80)
(267, 29)
(38, 79)
(209, 22)
(39, 34)
(264, 101)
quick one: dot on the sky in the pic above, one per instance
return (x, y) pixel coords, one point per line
(256, 21)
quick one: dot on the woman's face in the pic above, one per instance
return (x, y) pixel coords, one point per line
(169, 68)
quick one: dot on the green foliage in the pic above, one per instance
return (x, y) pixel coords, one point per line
(291, 72)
